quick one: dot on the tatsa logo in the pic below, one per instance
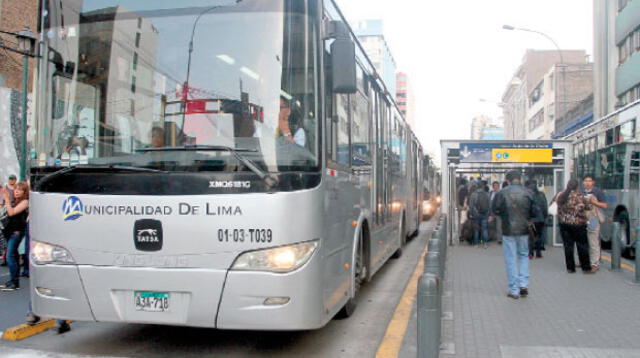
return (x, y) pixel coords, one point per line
(72, 208)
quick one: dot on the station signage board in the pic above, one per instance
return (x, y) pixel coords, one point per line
(506, 152)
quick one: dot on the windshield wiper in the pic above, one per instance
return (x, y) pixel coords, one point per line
(100, 167)
(266, 177)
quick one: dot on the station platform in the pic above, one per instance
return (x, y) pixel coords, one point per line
(565, 315)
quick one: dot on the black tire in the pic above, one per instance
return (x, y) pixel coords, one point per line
(360, 275)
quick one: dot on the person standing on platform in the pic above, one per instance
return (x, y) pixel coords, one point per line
(595, 217)
(480, 209)
(494, 221)
(515, 207)
(572, 214)
(539, 221)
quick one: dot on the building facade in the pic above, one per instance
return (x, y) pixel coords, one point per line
(616, 54)
(551, 101)
(14, 16)
(493, 132)
(406, 98)
(524, 102)
(371, 36)
(484, 127)
(478, 124)
(580, 115)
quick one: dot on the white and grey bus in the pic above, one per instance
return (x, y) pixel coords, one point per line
(609, 150)
(235, 164)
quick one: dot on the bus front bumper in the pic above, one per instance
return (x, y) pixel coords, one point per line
(198, 297)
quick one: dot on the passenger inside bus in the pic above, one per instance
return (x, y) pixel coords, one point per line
(157, 137)
(290, 123)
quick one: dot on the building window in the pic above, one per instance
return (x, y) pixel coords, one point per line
(537, 120)
(133, 84)
(137, 39)
(536, 94)
(139, 22)
(135, 61)
(622, 52)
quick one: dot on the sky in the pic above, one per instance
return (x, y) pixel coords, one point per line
(456, 52)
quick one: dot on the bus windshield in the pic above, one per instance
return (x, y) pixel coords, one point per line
(122, 76)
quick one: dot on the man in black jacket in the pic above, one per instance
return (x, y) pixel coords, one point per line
(515, 206)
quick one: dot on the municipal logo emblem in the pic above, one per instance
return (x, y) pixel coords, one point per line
(72, 208)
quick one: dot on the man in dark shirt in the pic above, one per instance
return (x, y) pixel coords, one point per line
(515, 206)
(593, 226)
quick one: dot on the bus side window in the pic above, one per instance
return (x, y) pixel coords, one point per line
(360, 143)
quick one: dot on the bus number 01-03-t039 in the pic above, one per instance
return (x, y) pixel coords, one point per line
(245, 235)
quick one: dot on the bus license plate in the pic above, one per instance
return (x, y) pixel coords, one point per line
(151, 301)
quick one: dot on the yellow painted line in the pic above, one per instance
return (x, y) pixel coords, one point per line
(624, 266)
(392, 341)
(25, 331)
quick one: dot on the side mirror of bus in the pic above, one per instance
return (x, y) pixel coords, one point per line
(343, 66)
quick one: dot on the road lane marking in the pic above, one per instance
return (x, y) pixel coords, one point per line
(393, 337)
(624, 266)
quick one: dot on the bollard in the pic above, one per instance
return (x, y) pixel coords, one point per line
(615, 247)
(636, 252)
(429, 316)
(435, 245)
(432, 263)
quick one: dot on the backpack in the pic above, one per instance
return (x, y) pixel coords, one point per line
(483, 203)
(463, 192)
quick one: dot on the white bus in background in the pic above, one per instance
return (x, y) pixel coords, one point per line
(235, 164)
(609, 150)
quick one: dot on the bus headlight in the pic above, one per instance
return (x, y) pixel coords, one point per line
(279, 259)
(42, 253)
(426, 206)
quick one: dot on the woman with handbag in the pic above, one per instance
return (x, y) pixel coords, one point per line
(572, 214)
(14, 231)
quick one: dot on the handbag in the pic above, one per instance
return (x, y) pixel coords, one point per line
(553, 209)
(600, 214)
(4, 218)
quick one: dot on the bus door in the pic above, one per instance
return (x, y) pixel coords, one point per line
(381, 165)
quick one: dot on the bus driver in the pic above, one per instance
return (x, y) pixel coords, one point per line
(289, 126)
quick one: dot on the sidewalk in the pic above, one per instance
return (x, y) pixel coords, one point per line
(565, 315)
(13, 305)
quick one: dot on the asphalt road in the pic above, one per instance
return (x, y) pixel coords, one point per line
(357, 336)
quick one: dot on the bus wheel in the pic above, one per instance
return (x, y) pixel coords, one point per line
(359, 276)
(402, 239)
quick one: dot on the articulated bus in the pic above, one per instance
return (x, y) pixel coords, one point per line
(609, 150)
(431, 180)
(234, 164)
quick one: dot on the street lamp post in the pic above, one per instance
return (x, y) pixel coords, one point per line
(562, 63)
(26, 48)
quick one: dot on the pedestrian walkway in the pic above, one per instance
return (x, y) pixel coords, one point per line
(13, 305)
(565, 315)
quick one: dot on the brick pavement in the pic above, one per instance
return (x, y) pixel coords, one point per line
(566, 315)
